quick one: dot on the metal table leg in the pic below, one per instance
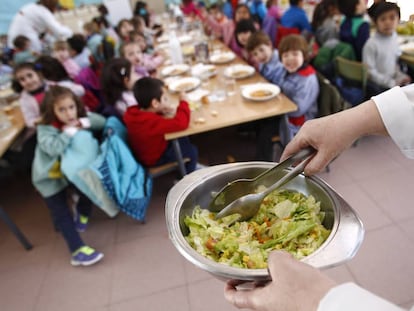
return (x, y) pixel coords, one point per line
(179, 157)
(12, 226)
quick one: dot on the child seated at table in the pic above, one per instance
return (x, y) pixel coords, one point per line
(93, 40)
(22, 52)
(299, 83)
(123, 28)
(139, 25)
(61, 53)
(218, 24)
(381, 51)
(117, 79)
(354, 29)
(31, 83)
(132, 52)
(244, 28)
(150, 58)
(155, 117)
(79, 51)
(261, 49)
(295, 17)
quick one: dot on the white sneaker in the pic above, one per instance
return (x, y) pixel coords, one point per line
(200, 166)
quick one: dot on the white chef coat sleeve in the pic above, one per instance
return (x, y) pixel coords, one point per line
(349, 296)
(396, 107)
(58, 30)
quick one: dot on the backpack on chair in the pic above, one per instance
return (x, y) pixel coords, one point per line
(329, 99)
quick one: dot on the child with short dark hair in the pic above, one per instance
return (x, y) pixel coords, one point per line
(22, 53)
(148, 124)
(78, 50)
(381, 51)
(261, 48)
(295, 17)
(55, 73)
(354, 29)
(63, 115)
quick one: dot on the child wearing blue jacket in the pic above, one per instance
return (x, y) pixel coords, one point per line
(299, 83)
(261, 49)
(287, 68)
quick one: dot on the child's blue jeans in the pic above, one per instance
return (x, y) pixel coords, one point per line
(63, 219)
(188, 150)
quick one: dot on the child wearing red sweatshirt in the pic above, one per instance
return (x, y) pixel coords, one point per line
(149, 122)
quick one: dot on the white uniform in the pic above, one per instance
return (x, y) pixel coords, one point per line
(32, 20)
(396, 107)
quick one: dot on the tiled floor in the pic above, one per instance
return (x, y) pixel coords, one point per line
(143, 271)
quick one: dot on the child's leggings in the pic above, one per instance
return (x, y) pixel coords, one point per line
(63, 218)
(188, 150)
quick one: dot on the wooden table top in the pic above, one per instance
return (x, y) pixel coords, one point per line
(408, 58)
(234, 109)
(8, 136)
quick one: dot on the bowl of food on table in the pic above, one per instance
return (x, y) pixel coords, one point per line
(203, 70)
(306, 218)
(239, 71)
(222, 57)
(174, 70)
(260, 91)
(185, 84)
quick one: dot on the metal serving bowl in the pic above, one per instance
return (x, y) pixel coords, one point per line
(347, 231)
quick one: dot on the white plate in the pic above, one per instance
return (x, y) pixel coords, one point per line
(239, 71)
(260, 91)
(175, 70)
(408, 48)
(222, 58)
(186, 84)
(185, 39)
(201, 69)
(163, 38)
(196, 95)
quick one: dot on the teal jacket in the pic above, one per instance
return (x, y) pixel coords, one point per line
(51, 144)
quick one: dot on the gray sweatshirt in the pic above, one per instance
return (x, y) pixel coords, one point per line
(381, 53)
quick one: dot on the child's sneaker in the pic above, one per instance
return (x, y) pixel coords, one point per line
(85, 256)
(200, 166)
(81, 222)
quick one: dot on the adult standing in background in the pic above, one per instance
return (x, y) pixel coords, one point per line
(35, 20)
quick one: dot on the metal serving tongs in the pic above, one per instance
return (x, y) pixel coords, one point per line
(239, 197)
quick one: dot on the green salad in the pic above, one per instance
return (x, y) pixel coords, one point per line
(286, 220)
